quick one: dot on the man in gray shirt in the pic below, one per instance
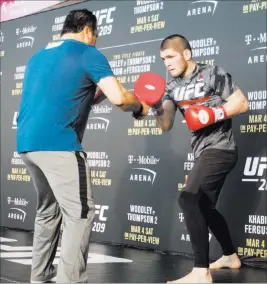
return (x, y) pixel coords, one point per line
(207, 98)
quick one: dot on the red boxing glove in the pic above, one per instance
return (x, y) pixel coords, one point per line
(198, 117)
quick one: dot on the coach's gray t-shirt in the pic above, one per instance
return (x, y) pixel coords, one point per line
(209, 86)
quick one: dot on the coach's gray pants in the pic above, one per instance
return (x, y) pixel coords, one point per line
(62, 182)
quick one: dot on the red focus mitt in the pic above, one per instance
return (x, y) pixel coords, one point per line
(149, 88)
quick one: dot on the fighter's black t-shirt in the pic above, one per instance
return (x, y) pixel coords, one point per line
(209, 86)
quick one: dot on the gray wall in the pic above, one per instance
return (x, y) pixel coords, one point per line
(136, 170)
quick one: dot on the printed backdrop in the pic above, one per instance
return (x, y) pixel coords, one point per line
(137, 171)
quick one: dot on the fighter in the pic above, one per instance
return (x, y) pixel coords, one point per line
(208, 98)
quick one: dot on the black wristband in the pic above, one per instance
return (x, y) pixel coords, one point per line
(138, 113)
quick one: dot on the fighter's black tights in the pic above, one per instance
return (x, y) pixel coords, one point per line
(199, 214)
(198, 200)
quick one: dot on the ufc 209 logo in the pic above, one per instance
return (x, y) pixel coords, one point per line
(105, 20)
(99, 225)
(255, 171)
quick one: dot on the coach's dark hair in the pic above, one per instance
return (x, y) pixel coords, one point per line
(166, 42)
(77, 20)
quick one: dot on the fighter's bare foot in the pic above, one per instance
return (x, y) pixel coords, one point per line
(227, 261)
(197, 275)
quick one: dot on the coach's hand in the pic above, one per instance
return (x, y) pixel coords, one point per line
(143, 111)
(198, 117)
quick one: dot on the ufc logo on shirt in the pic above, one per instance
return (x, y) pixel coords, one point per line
(189, 92)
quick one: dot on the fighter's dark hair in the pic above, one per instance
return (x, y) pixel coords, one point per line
(77, 20)
(182, 40)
